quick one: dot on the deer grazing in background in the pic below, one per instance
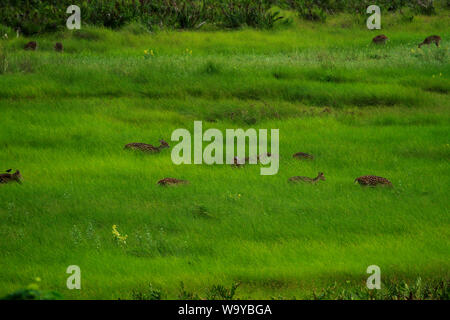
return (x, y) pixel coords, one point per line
(58, 47)
(431, 39)
(147, 147)
(32, 45)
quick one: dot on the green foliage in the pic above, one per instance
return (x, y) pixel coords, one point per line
(3, 61)
(257, 14)
(318, 10)
(220, 292)
(393, 290)
(30, 294)
(149, 293)
(187, 295)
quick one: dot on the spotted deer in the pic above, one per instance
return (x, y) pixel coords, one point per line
(302, 155)
(59, 47)
(320, 176)
(171, 182)
(238, 162)
(431, 39)
(380, 39)
(32, 45)
(11, 177)
(147, 147)
(372, 181)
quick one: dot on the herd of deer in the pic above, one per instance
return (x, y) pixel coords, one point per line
(144, 147)
(380, 39)
(368, 180)
(32, 45)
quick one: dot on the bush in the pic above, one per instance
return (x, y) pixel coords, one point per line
(150, 293)
(220, 292)
(432, 290)
(3, 61)
(31, 294)
(424, 7)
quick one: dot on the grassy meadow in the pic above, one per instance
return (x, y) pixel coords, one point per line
(358, 108)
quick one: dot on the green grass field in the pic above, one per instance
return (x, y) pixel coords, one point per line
(66, 117)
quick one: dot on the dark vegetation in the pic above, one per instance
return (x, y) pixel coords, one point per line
(35, 16)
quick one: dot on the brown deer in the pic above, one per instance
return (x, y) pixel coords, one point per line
(302, 155)
(11, 177)
(320, 176)
(380, 39)
(171, 182)
(372, 181)
(59, 47)
(147, 147)
(32, 45)
(431, 39)
(238, 163)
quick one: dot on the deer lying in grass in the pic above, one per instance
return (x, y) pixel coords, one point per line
(320, 176)
(147, 147)
(302, 155)
(171, 182)
(373, 181)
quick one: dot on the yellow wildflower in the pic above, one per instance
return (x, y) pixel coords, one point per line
(117, 235)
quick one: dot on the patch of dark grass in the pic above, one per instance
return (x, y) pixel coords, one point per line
(149, 293)
(183, 294)
(211, 68)
(220, 292)
(88, 34)
(437, 88)
(32, 294)
(200, 211)
(432, 290)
